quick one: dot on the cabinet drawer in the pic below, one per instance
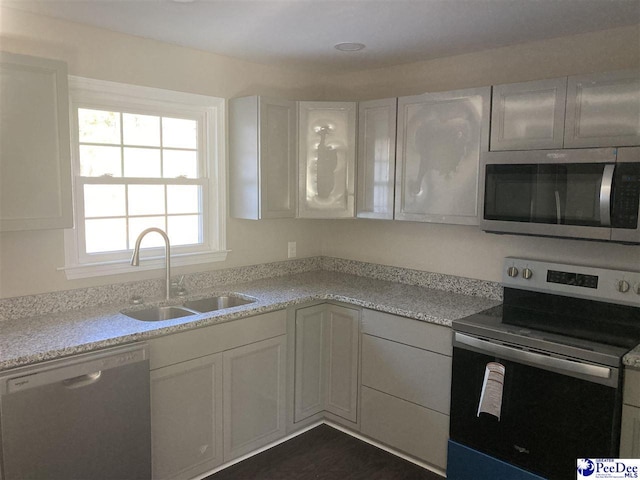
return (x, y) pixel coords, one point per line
(416, 333)
(416, 375)
(199, 342)
(418, 431)
(631, 387)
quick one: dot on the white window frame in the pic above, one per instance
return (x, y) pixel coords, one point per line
(210, 111)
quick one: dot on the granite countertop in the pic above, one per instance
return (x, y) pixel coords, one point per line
(24, 341)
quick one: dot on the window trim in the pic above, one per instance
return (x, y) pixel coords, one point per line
(90, 93)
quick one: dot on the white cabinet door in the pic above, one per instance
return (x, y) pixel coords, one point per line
(254, 396)
(440, 137)
(35, 161)
(376, 158)
(342, 327)
(186, 418)
(630, 432)
(528, 115)
(603, 110)
(326, 367)
(327, 138)
(262, 158)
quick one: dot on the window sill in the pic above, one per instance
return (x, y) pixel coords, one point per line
(146, 263)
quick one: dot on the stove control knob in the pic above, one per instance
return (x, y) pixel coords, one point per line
(512, 271)
(623, 286)
(527, 273)
(638, 288)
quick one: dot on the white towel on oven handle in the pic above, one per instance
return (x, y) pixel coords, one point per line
(492, 390)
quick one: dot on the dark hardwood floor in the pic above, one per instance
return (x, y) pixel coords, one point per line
(324, 453)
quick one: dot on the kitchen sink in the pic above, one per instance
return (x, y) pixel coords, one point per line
(210, 304)
(190, 307)
(156, 314)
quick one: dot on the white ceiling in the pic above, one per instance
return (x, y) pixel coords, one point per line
(302, 33)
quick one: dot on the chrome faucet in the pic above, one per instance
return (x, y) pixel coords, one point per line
(135, 258)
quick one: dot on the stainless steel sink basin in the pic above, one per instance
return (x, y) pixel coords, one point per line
(156, 314)
(221, 302)
(190, 307)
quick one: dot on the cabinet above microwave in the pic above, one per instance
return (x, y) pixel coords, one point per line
(595, 110)
(586, 193)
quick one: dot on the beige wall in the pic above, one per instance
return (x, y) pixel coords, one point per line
(29, 261)
(466, 251)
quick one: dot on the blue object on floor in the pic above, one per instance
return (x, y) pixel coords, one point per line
(464, 463)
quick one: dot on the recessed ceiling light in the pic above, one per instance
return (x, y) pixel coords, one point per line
(349, 46)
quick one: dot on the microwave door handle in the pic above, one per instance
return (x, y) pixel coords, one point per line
(558, 210)
(605, 195)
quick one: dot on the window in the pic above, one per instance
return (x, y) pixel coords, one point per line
(144, 157)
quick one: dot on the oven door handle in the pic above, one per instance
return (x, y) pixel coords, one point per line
(558, 365)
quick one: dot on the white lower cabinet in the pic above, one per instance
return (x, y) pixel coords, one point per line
(216, 393)
(406, 383)
(630, 434)
(186, 412)
(254, 396)
(326, 362)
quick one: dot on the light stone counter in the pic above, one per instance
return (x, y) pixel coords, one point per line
(29, 340)
(632, 359)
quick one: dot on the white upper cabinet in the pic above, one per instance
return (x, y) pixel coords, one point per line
(528, 115)
(35, 161)
(603, 110)
(376, 158)
(327, 146)
(440, 137)
(262, 158)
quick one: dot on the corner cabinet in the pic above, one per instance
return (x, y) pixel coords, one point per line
(326, 156)
(35, 159)
(326, 362)
(262, 158)
(440, 137)
(217, 392)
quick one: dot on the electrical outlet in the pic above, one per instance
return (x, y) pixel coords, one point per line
(291, 249)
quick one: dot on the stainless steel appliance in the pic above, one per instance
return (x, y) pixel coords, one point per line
(586, 193)
(537, 381)
(86, 417)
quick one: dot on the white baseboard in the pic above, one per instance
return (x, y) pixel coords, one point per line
(381, 446)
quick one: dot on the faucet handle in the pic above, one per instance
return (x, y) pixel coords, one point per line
(176, 286)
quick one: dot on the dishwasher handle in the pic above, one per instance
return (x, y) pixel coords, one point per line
(82, 380)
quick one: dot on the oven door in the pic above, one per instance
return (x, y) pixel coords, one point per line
(552, 411)
(565, 193)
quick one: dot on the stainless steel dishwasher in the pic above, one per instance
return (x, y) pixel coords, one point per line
(85, 417)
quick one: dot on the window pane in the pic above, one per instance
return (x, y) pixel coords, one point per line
(178, 163)
(142, 162)
(98, 126)
(105, 235)
(185, 230)
(183, 199)
(146, 199)
(179, 133)
(104, 201)
(141, 130)
(97, 161)
(153, 239)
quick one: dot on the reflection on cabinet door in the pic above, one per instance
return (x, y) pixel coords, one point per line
(254, 396)
(440, 137)
(262, 158)
(186, 418)
(603, 110)
(528, 115)
(35, 159)
(327, 136)
(376, 158)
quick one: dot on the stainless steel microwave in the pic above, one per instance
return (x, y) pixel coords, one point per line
(583, 193)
